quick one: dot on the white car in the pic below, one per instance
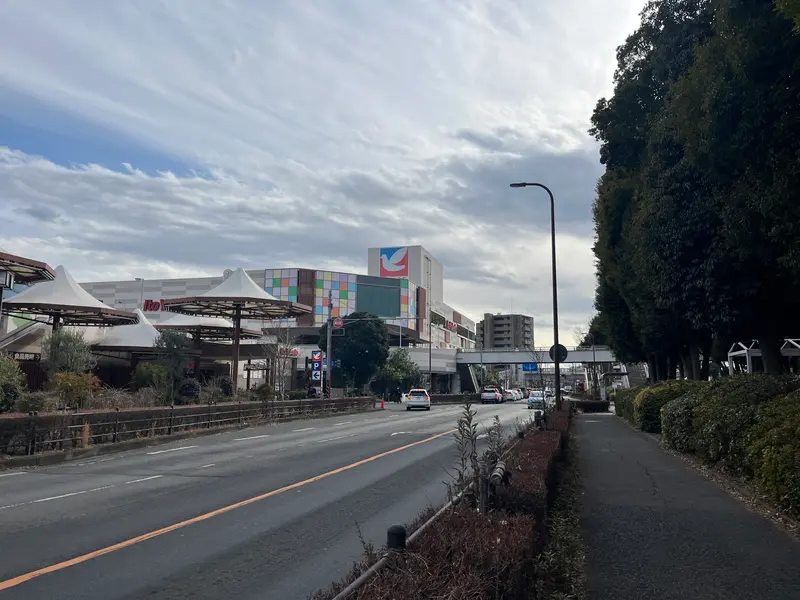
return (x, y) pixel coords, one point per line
(510, 395)
(418, 399)
(491, 394)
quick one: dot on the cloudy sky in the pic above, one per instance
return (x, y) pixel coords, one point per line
(170, 138)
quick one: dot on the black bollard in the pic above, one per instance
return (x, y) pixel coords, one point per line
(396, 538)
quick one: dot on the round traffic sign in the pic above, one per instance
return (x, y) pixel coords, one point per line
(562, 353)
(338, 323)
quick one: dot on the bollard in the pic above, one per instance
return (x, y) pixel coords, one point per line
(396, 538)
(85, 435)
(382, 404)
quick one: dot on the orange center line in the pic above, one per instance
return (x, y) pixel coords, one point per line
(14, 581)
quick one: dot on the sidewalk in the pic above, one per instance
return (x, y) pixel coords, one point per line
(656, 529)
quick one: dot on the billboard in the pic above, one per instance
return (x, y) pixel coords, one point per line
(393, 262)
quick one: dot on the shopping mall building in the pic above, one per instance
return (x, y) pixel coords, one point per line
(405, 285)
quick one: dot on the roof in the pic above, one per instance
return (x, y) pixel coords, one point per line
(26, 270)
(65, 298)
(237, 294)
(141, 335)
(215, 328)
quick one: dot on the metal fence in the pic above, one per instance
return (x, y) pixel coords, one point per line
(34, 434)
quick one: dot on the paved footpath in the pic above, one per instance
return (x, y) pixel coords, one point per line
(656, 529)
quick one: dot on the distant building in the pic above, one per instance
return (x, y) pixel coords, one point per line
(505, 331)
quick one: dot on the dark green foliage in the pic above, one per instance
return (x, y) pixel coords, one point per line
(225, 383)
(696, 215)
(647, 403)
(623, 402)
(726, 413)
(189, 390)
(363, 349)
(676, 422)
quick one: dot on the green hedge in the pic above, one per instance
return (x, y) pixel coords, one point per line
(676, 422)
(623, 402)
(726, 412)
(648, 402)
(774, 450)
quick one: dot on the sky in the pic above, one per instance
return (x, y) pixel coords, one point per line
(179, 138)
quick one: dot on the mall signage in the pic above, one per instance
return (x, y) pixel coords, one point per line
(153, 305)
(451, 326)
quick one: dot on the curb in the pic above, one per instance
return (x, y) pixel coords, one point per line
(55, 458)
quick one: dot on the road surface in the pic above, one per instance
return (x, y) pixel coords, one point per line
(268, 512)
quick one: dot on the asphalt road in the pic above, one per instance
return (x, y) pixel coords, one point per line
(268, 512)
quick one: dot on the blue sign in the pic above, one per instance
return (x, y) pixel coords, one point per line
(530, 367)
(316, 366)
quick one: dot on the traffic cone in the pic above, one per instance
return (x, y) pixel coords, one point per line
(382, 406)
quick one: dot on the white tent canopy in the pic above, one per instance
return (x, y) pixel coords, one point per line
(61, 291)
(66, 302)
(239, 285)
(138, 335)
(178, 321)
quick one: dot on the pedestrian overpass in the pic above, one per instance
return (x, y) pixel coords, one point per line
(518, 356)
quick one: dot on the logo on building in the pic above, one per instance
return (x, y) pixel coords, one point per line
(153, 305)
(394, 262)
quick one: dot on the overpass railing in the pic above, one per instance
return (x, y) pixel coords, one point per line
(536, 350)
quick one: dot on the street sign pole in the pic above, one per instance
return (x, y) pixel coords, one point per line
(329, 344)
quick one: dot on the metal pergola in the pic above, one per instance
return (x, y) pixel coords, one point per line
(790, 348)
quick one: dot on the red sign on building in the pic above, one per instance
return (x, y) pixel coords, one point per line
(152, 305)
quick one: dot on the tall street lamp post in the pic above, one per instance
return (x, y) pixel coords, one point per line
(556, 356)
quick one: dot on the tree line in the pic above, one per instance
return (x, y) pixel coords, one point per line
(697, 216)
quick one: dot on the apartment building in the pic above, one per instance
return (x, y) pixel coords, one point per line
(505, 331)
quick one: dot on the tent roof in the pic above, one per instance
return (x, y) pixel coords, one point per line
(138, 336)
(238, 293)
(207, 327)
(66, 298)
(26, 270)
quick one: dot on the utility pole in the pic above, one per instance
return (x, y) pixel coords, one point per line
(328, 346)
(430, 332)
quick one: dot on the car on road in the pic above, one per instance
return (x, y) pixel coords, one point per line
(418, 399)
(536, 403)
(491, 394)
(509, 395)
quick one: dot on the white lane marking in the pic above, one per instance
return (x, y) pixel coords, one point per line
(342, 423)
(250, 456)
(108, 459)
(170, 450)
(12, 474)
(400, 432)
(252, 437)
(206, 466)
(304, 429)
(393, 416)
(144, 479)
(341, 437)
(97, 489)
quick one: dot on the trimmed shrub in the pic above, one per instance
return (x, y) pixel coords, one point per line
(189, 390)
(150, 374)
(297, 395)
(676, 422)
(38, 402)
(623, 402)
(225, 383)
(648, 402)
(774, 450)
(75, 389)
(725, 415)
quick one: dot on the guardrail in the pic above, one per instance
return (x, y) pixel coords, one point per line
(534, 350)
(34, 433)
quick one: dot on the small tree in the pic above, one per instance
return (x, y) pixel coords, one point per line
(278, 344)
(172, 352)
(66, 351)
(399, 372)
(12, 383)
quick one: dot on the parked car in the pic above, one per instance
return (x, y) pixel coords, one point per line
(418, 399)
(491, 394)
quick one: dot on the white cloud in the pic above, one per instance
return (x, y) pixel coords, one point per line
(327, 128)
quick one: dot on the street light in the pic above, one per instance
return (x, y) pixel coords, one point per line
(556, 357)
